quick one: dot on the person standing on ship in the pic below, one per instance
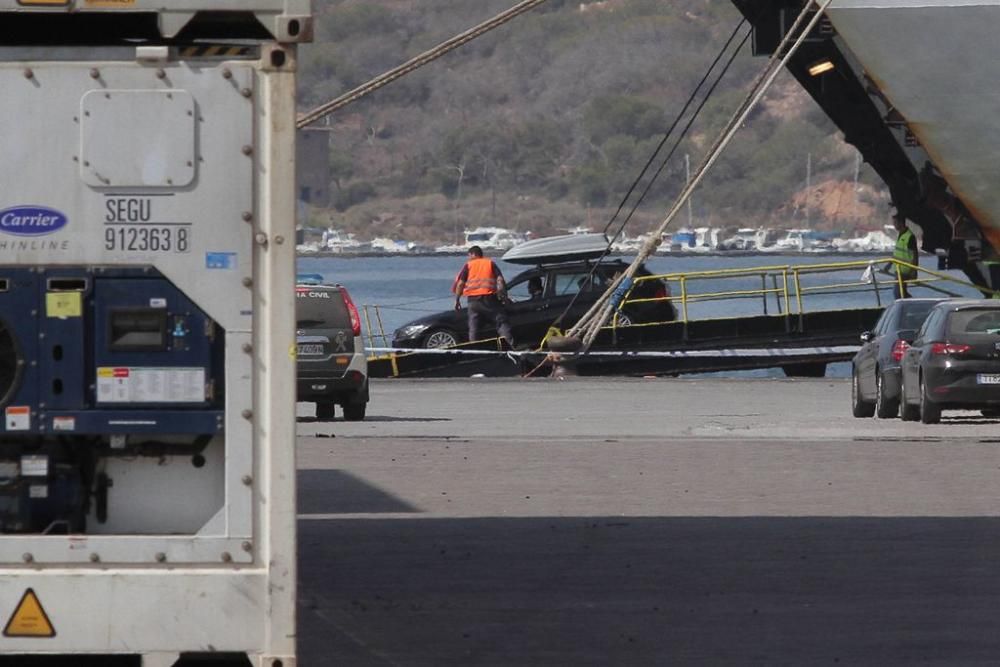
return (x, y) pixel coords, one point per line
(483, 286)
(905, 251)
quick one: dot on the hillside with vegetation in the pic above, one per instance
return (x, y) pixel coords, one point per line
(544, 124)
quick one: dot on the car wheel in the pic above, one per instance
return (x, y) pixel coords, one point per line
(907, 412)
(437, 338)
(885, 407)
(930, 412)
(354, 412)
(325, 411)
(623, 319)
(859, 406)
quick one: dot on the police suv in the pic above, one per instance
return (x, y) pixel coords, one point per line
(331, 362)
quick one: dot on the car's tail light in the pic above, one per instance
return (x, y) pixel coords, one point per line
(661, 291)
(949, 348)
(355, 318)
(899, 348)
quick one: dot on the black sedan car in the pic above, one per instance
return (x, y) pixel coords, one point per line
(954, 362)
(875, 368)
(538, 297)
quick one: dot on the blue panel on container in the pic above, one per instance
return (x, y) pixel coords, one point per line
(174, 332)
(69, 333)
(143, 421)
(18, 306)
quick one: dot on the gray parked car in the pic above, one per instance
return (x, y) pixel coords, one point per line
(954, 362)
(331, 362)
(875, 384)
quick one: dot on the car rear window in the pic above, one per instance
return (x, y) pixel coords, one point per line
(571, 283)
(914, 314)
(975, 321)
(321, 308)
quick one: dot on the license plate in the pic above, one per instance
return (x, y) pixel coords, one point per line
(984, 378)
(306, 349)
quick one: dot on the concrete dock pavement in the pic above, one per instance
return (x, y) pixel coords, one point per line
(645, 522)
(623, 407)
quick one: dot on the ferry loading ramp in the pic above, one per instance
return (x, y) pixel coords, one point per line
(795, 317)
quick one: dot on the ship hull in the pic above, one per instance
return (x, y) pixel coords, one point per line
(936, 63)
(909, 83)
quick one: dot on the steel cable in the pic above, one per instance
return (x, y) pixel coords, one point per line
(673, 149)
(652, 158)
(673, 126)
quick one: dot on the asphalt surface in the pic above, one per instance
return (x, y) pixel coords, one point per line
(645, 522)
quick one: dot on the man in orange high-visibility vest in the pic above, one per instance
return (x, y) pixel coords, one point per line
(482, 284)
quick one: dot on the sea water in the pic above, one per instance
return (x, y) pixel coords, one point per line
(391, 291)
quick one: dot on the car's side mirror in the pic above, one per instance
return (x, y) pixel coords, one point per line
(906, 334)
(866, 336)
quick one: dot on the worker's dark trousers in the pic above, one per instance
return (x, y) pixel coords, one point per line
(488, 309)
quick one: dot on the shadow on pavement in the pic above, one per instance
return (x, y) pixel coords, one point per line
(339, 492)
(374, 418)
(386, 418)
(648, 591)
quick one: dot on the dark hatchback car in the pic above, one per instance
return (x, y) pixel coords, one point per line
(875, 384)
(954, 362)
(331, 363)
(531, 315)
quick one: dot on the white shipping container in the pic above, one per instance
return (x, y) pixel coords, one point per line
(147, 238)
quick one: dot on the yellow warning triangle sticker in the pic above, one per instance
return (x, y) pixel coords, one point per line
(29, 619)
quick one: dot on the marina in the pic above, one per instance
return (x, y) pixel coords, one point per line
(703, 240)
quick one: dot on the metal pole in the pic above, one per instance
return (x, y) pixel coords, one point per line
(381, 327)
(809, 162)
(798, 295)
(763, 290)
(857, 175)
(777, 297)
(687, 169)
(368, 325)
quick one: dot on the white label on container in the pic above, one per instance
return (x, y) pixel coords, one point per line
(64, 423)
(150, 385)
(18, 418)
(34, 465)
(38, 491)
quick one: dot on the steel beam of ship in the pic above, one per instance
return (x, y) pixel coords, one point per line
(910, 84)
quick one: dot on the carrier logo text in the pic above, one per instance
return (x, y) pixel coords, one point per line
(31, 220)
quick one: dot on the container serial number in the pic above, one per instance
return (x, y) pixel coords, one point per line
(147, 239)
